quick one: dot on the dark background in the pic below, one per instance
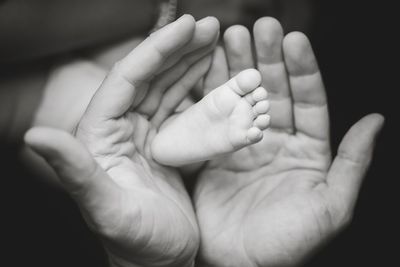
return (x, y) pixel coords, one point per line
(355, 44)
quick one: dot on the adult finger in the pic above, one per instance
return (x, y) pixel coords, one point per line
(116, 94)
(203, 42)
(218, 73)
(237, 41)
(268, 37)
(206, 32)
(177, 93)
(353, 159)
(78, 172)
(309, 99)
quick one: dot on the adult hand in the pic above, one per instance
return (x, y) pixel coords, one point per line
(139, 209)
(274, 203)
(73, 82)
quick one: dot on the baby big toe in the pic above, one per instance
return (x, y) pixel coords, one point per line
(246, 81)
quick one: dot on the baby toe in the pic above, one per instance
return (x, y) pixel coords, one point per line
(259, 94)
(254, 135)
(262, 121)
(261, 107)
(246, 81)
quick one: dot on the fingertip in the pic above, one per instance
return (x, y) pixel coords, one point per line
(296, 38)
(235, 34)
(295, 44)
(189, 21)
(49, 143)
(377, 118)
(207, 30)
(380, 119)
(359, 141)
(31, 136)
(238, 46)
(373, 123)
(186, 24)
(187, 18)
(268, 29)
(213, 22)
(38, 136)
(299, 55)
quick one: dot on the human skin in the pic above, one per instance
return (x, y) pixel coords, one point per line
(140, 209)
(227, 119)
(62, 27)
(276, 202)
(294, 15)
(64, 92)
(333, 191)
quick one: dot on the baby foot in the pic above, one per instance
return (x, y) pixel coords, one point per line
(230, 117)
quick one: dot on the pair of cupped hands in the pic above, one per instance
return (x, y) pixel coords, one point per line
(271, 204)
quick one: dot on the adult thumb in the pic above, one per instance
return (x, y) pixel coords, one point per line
(353, 158)
(77, 170)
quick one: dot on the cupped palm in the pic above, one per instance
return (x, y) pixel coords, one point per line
(274, 203)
